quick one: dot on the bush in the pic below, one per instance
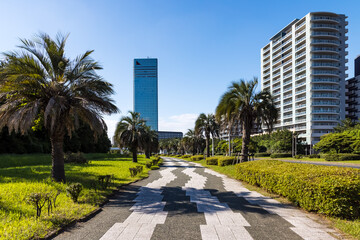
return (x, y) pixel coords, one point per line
(342, 157)
(186, 156)
(263, 154)
(104, 181)
(212, 160)
(314, 156)
(280, 155)
(225, 161)
(78, 158)
(154, 167)
(197, 157)
(333, 191)
(148, 164)
(298, 156)
(74, 191)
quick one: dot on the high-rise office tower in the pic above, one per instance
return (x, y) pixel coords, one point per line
(303, 66)
(353, 93)
(146, 90)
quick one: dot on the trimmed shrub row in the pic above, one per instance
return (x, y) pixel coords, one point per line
(280, 155)
(262, 154)
(341, 157)
(334, 191)
(212, 160)
(225, 161)
(197, 157)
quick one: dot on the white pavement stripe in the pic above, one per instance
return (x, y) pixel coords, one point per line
(303, 225)
(220, 219)
(147, 211)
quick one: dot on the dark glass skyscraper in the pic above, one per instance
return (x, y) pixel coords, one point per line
(146, 90)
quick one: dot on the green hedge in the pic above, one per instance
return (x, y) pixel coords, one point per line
(212, 160)
(262, 154)
(186, 156)
(225, 161)
(342, 157)
(334, 191)
(197, 157)
(314, 156)
(280, 155)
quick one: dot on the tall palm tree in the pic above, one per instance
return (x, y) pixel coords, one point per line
(131, 133)
(40, 83)
(206, 124)
(151, 142)
(246, 105)
(270, 114)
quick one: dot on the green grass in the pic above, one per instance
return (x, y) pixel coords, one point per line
(348, 227)
(21, 175)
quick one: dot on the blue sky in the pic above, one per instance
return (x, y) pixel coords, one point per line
(202, 45)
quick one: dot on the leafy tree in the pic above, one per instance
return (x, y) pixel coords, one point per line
(335, 142)
(270, 114)
(151, 142)
(242, 102)
(131, 133)
(346, 124)
(39, 81)
(281, 141)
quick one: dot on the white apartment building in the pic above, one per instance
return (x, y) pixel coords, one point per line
(303, 66)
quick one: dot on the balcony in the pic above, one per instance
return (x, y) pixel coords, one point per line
(300, 55)
(325, 41)
(300, 47)
(300, 120)
(300, 62)
(325, 64)
(300, 69)
(287, 103)
(299, 26)
(287, 116)
(326, 26)
(300, 113)
(327, 88)
(326, 111)
(300, 99)
(331, 57)
(333, 80)
(325, 103)
(326, 72)
(328, 18)
(300, 84)
(325, 119)
(299, 33)
(301, 91)
(287, 96)
(300, 77)
(325, 95)
(327, 34)
(300, 106)
(287, 82)
(300, 40)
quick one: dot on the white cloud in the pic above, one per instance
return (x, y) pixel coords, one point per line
(180, 123)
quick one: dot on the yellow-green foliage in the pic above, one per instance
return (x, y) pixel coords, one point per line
(225, 161)
(334, 191)
(212, 160)
(197, 157)
(18, 218)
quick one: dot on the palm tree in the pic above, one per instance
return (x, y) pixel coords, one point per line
(151, 142)
(206, 124)
(39, 83)
(131, 133)
(270, 114)
(246, 105)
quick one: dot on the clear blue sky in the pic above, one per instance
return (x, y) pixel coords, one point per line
(202, 45)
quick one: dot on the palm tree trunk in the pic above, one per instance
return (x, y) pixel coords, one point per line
(57, 156)
(207, 146)
(134, 153)
(245, 141)
(212, 144)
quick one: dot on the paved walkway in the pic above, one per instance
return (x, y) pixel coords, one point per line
(184, 200)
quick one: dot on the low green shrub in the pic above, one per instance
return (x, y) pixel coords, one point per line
(342, 157)
(104, 181)
(298, 156)
(74, 191)
(225, 161)
(314, 156)
(334, 191)
(186, 156)
(148, 164)
(280, 155)
(262, 154)
(154, 167)
(212, 160)
(197, 157)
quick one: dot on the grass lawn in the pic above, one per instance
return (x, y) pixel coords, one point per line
(348, 227)
(21, 175)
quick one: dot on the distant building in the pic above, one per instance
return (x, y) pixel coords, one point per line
(146, 90)
(303, 66)
(166, 135)
(353, 93)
